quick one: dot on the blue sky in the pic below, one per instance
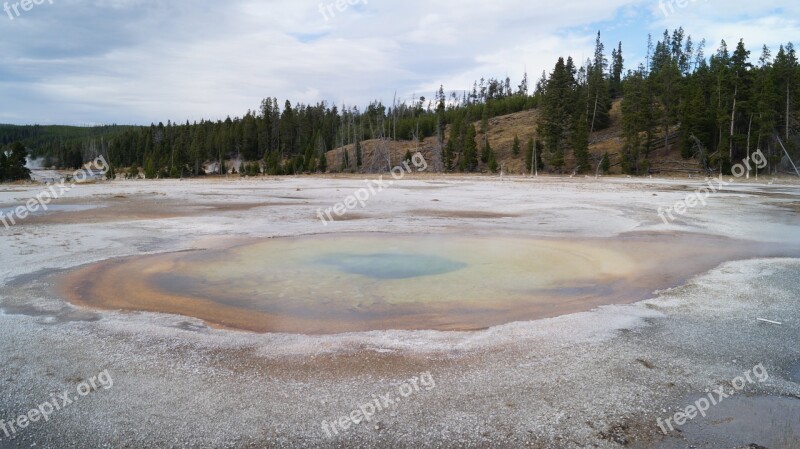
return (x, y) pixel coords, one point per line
(85, 62)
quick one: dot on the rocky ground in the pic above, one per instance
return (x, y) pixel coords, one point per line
(601, 378)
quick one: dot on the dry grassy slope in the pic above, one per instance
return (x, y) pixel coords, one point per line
(398, 149)
(667, 162)
(501, 134)
(608, 140)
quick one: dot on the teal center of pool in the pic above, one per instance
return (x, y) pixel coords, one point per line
(391, 265)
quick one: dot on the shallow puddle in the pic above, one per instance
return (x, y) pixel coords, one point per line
(361, 282)
(741, 421)
(794, 372)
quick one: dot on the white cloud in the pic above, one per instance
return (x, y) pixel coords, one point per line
(142, 61)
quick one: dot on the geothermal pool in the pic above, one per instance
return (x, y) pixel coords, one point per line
(362, 282)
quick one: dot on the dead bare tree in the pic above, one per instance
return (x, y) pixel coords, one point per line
(787, 155)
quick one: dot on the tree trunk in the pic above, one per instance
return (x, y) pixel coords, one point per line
(749, 127)
(733, 114)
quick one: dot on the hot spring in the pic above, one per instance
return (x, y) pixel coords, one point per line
(362, 282)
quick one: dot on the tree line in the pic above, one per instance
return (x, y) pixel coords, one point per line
(714, 110)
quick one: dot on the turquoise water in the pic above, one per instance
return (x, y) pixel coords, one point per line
(391, 265)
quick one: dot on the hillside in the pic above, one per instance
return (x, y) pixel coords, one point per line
(501, 133)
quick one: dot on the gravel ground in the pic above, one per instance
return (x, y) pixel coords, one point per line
(594, 379)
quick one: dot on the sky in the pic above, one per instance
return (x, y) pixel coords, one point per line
(95, 62)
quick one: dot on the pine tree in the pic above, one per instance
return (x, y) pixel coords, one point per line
(742, 108)
(557, 159)
(637, 119)
(697, 122)
(149, 169)
(492, 162)
(786, 81)
(617, 64)
(447, 155)
(14, 163)
(529, 156)
(767, 99)
(557, 106)
(470, 149)
(665, 77)
(485, 119)
(3, 166)
(580, 146)
(515, 148)
(133, 171)
(598, 95)
(721, 106)
(523, 86)
(486, 152)
(454, 145)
